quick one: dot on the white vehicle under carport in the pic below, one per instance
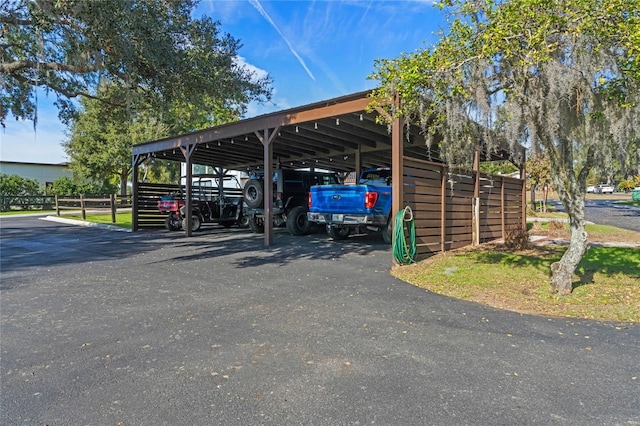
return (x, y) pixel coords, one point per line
(290, 198)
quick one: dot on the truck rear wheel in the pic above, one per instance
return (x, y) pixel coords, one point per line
(243, 222)
(338, 233)
(297, 221)
(256, 225)
(387, 235)
(253, 193)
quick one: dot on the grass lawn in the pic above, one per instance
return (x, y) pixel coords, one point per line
(16, 212)
(122, 219)
(606, 284)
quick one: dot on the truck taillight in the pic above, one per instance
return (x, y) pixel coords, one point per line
(370, 199)
(309, 200)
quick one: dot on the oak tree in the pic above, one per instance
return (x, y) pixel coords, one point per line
(560, 77)
(152, 47)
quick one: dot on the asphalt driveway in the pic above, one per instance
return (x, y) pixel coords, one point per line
(149, 328)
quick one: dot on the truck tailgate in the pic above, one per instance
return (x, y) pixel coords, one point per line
(338, 199)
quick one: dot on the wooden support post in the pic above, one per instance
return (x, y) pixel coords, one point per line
(82, 209)
(476, 198)
(523, 195)
(443, 207)
(57, 207)
(503, 216)
(137, 160)
(397, 163)
(266, 139)
(188, 202)
(113, 208)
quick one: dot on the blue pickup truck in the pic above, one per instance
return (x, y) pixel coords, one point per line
(346, 208)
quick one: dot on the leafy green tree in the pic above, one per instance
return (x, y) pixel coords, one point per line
(498, 167)
(17, 185)
(560, 77)
(626, 185)
(101, 137)
(13, 186)
(154, 48)
(539, 174)
(66, 186)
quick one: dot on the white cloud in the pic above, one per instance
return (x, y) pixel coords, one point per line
(258, 73)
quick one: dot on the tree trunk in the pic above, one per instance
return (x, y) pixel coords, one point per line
(533, 197)
(123, 185)
(563, 270)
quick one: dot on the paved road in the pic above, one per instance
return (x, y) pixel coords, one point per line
(106, 328)
(608, 212)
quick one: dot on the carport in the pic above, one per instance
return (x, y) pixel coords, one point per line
(336, 134)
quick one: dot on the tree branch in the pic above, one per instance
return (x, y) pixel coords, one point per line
(10, 68)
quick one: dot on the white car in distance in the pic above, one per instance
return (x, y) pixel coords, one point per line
(604, 189)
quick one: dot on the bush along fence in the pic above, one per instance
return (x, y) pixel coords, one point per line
(26, 202)
(93, 203)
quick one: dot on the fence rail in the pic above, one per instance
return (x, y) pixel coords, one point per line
(94, 203)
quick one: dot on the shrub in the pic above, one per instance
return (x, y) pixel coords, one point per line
(516, 238)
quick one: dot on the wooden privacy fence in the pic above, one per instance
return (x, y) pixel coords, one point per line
(448, 214)
(149, 194)
(146, 204)
(101, 204)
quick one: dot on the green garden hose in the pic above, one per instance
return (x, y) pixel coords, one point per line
(404, 252)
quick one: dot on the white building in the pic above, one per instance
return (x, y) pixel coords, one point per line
(43, 173)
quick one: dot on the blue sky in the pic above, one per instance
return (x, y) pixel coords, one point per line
(313, 50)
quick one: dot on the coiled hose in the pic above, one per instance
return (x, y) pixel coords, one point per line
(404, 252)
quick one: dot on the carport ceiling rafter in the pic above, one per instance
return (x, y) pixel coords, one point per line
(325, 135)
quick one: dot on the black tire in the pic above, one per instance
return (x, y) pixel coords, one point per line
(173, 222)
(256, 225)
(243, 222)
(297, 221)
(387, 235)
(195, 223)
(339, 233)
(253, 193)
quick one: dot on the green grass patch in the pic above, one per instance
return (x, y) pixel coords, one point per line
(629, 203)
(597, 233)
(16, 212)
(122, 219)
(606, 283)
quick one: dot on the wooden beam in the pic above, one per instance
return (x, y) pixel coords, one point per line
(292, 116)
(267, 139)
(397, 165)
(476, 198)
(443, 207)
(187, 151)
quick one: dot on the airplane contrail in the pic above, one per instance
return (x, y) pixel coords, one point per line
(256, 4)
